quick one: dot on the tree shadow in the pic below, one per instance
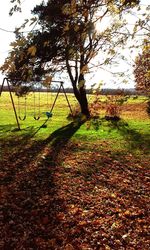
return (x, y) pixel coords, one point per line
(24, 150)
(12, 142)
(134, 139)
(7, 127)
(30, 192)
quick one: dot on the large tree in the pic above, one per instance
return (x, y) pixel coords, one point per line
(66, 40)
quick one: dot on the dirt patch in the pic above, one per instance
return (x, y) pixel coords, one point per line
(134, 110)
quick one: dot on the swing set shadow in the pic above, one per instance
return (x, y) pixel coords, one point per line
(48, 113)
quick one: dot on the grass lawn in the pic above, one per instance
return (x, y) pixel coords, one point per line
(74, 186)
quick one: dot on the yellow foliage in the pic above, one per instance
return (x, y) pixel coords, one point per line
(71, 51)
(66, 9)
(113, 9)
(8, 66)
(66, 28)
(32, 50)
(83, 36)
(85, 13)
(73, 6)
(22, 55)
(76, 27)
(92, 54)
(20, 42)
(84, 69)
(46, 43)
(30, 73)
(112, 52)
(146, 47)
(13, 44)
(47, 81)
(147, 75)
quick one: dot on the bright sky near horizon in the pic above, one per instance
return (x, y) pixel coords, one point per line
(9, 23)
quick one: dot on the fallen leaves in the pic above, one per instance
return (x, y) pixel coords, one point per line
(86, 201)
(74, 209)
(69, 247)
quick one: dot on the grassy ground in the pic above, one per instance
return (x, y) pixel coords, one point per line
(68, 187)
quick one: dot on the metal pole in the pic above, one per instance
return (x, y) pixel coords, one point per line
(55, 99)
(66, 97)
(13, 104)
(2, 86)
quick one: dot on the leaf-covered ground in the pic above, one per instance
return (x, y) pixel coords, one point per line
(73, 195)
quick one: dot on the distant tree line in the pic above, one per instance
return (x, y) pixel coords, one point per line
(107, 91)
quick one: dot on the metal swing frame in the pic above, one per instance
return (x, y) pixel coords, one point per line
(61, 87)
(58, 92)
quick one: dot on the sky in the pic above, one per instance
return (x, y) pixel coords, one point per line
(9, 23)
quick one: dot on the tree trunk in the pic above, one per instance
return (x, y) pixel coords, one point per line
(83, 98)
(84, 103)
(80, 93)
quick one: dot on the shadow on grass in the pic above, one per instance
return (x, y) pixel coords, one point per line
(18, 151)
(134, 139)
(6, 128)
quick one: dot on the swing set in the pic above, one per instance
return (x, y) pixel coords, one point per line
(36, 116)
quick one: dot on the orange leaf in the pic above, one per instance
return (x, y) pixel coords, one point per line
(69, 247)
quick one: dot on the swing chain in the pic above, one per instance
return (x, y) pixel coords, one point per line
(19, 109)
(37, 117)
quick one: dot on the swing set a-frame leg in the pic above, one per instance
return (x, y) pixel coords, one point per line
(58, 92)
(2, 86)
(66, 98)
(12, 100)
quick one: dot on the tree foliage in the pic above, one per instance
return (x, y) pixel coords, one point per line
(142, 68)
(66, 40)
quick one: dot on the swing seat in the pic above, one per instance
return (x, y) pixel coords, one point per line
(36, 118)
(49, 114)
(23, 118)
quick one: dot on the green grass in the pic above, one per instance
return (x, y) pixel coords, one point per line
(128, 134)
(8, 122)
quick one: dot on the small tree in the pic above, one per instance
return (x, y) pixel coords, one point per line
(142, 72)
(68, 41)
(142, 69)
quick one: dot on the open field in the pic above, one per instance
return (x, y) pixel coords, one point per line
(68, 187)
(133, 112)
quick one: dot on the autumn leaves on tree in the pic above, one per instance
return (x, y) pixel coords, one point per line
(142, 69)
